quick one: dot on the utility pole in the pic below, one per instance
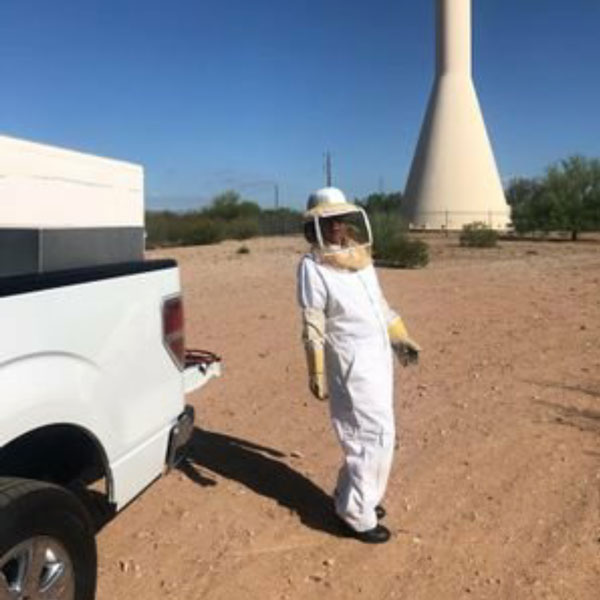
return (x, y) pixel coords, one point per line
(276, 196)
(328, 168)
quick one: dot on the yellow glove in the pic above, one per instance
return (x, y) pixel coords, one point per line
(406, 349)
(316, 383)
(316, 379)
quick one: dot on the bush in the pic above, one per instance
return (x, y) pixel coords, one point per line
(201, 231)
(391, 247)
(227, 217)
(242, 229)
(280, 221)
(158, 228)
(229, 206)
(382, 203)
(478, 235)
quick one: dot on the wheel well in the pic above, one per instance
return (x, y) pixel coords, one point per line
(63, 454)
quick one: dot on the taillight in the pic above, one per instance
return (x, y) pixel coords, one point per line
(173, 337)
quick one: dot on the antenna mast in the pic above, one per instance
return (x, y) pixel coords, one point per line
(328, 168)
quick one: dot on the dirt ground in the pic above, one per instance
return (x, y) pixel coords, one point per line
(495, 490)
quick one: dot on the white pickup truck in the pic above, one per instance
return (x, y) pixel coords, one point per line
(93, 367)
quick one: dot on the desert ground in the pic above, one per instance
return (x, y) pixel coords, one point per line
(495, 489)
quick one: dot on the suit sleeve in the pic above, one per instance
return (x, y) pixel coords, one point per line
(312, 298)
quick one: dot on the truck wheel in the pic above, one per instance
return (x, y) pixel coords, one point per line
(47, 545)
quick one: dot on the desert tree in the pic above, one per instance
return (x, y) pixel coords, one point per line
(566, 199)
(572, 188)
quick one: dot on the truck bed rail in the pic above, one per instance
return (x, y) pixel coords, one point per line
(35, 282)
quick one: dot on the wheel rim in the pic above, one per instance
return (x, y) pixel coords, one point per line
(37, 569)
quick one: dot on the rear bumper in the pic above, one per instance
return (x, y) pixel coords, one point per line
(181, 434)
(200, 367)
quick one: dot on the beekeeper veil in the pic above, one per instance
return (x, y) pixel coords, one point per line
(338, 230)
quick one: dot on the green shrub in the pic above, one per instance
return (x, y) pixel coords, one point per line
(391, 247)
(158, 226)
(229, 205)
(165, 228)
(241, 229)
(280, 221)
(201, 231)
(478, 235)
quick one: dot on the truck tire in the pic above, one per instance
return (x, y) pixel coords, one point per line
(47, 545)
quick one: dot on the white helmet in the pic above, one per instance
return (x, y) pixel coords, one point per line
(327, 202)
(352, 250)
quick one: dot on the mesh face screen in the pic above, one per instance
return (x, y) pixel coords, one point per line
(344, 230)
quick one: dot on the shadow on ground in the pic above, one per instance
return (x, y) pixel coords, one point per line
(582, 419)
(592, 390)
(261, 470)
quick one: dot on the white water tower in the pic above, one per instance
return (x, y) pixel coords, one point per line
(453, 178)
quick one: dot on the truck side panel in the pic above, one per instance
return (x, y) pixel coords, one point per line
(91, 354)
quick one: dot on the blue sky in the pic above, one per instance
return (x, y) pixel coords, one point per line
(210, 95)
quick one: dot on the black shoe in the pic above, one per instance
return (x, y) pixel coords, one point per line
(380, 511)
(377, 535)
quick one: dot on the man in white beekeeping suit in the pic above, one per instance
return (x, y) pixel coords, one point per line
(349, 333)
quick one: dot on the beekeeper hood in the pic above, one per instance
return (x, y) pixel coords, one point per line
(338, 230)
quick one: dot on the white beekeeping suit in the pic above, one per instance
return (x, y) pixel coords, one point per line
(347, 330)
